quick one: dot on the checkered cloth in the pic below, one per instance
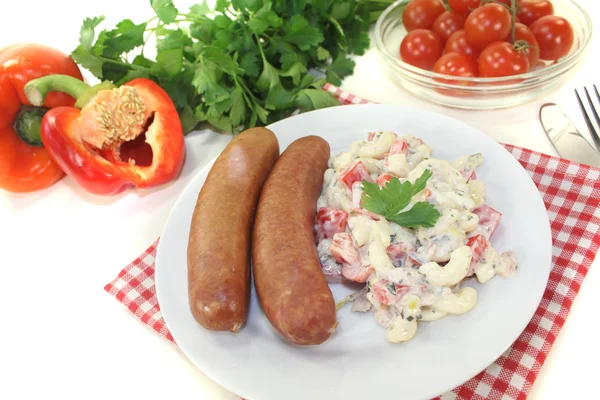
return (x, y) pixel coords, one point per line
(571, 193)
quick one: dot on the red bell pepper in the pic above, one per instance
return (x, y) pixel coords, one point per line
(356, 172)
(25, 165)
(114, 138)
(330, 221)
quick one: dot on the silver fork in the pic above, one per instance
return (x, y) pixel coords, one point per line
(588, 121)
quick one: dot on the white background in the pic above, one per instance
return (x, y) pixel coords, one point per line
(61, 334)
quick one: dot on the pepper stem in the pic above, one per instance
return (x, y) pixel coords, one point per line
(28, 124)
(37, 89)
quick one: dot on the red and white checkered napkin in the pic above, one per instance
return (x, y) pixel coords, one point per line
(571, 193)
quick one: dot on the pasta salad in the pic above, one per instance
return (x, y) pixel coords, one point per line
(410, 226)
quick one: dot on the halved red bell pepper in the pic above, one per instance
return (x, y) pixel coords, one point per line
(25, 165)
(121, 137)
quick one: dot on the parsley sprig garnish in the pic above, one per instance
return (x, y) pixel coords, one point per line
(390, 201)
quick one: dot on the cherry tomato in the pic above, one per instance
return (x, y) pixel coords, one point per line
(463, 7)
(458, 43)
(456, 64)
(501, 59)
(420, 14)
(446, 24)
(532, 10)
(421, 48)
(554, 35)
(489, 23)
(522, 32)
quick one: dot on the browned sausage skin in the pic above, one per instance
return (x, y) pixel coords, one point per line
(218, 253)
(289, 282)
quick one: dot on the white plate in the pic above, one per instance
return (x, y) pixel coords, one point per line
(357, 362)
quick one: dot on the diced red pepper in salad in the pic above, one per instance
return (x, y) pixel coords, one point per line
(411, 262)
(468, 174)
(488, 220)
(387, 292)
(330, 221)
(478, 244)
(345, 252)
(367, 213)
(371, 136)
(356, 172)
(383, 179)
(398, 252)
(343, 249)
(399, 147)
(357, 272)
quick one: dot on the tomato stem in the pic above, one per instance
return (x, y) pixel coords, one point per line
(522, 45)
(513, 12)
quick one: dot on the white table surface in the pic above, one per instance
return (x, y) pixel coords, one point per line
(62, 334)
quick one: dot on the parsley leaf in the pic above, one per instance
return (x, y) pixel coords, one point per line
(165, 10)
(87, 34)
(126, 37)
(390, 201)
(299, 32)
(172, 39)
(200, 9)
(421, 182)
(278, 98)
(88, 61)
(169, 62)
(295, 71)
(269, 77)
(261, 113)
(249, 63)
(222, 60)
(421, 214)
(322, 53)
(313, 99)
(188, 119)
(238, 107)
(340, 67)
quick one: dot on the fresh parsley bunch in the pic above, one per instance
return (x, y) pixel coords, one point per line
(243, 63)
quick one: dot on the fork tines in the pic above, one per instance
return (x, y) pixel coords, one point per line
(593, 108)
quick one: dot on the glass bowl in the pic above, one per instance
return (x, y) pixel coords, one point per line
(479, 93)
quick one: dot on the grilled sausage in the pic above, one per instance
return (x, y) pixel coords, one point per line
(218, 252)
(291, 287)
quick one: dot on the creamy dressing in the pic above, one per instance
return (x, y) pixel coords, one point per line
(411, 275)
(491, 263)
